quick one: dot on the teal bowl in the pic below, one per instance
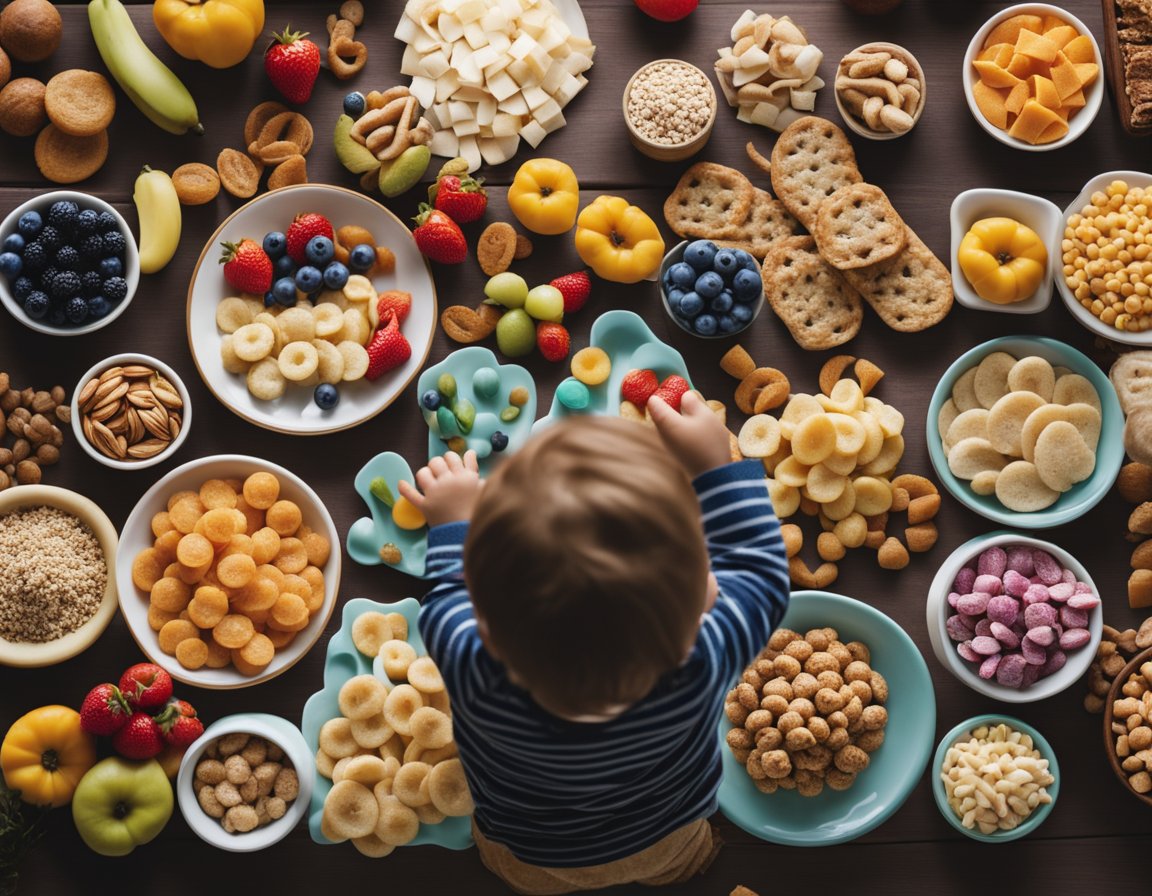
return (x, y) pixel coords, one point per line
(895, 768)
(1079, 499)
(962, 732)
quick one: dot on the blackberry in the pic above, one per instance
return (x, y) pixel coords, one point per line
(64, 285)
(47, 276)
(115, 288)
(90, 283)
(88, 221)
(51, 238)
(107, 221)
(36, 305)
(98, 307)
(22, 288)
(92, 247)
(68, 257)
(35, 256)
(63, 214)
(114, 243)
(77, 310)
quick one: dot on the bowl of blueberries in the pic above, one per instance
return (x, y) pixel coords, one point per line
(710, 291)
(68, 263)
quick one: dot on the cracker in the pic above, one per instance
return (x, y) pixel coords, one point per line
(911, 291)
(972, 423)
(260, 116)
(80, 103)
(812, 299)
(768, 221)
(1062, 458)
(1072, 388)
(1138, 434)
(496, 247)
(467, 325)
(1033, 374)
(64, 159)
(1006, 421)
(1020, 488)
(811, 160)
(239, 175)
(1084, 417)
(710, 201)
(973, 455)
(1132, 377)
(948, 412)
(293, 170)
(196, 183)
(964, 391)
(991, 383)
(857, 226)
(523, 248)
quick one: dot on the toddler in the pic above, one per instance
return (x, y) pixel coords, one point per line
(597, 597)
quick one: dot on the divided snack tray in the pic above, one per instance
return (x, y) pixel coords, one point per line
(368, 534)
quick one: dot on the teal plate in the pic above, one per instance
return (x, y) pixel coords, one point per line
(463, 364)
(369, 534)
(630, 345)
(342, 662)
(839, 816)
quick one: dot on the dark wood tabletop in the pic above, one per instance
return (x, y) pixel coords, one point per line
(1097, 832)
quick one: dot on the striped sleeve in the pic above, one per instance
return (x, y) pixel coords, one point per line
(447, 621)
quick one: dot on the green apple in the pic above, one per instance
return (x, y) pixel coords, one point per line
(507, 289)
(545, 302)
(354, 156)
(120, 804)
(515, 333)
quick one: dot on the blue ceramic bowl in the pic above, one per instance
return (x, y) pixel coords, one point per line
(1079, 499)
(962, 732)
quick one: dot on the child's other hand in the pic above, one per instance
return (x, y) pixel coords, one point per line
(448, 488)
(695, 436)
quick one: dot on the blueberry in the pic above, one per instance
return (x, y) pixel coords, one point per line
(335, 275)
(36, 305)
(430, 400)
(35, 256)
(64, 285)
(68, 258)
(682, 274)
(91, 283)
(326, 396)
(742, 312)
(269, 299)
(87, 222)
(747, 262)
(77, 310)
(284, 291)
(56, 316)
(674, 295)
(691, 304)
(106, 221)
(705, 325)
(722, 303)
(92, 246)
(11, 264)
(746, 285)
(283, 266)
(309, 279)
(30, 225)
(114, 243)
(728, 324)
(699, 254)
(725, 263)
(319, 251)
(63, 215)
(13, 243)
(499, 441)
(111, 267)
(354, 104)
(98, 307)
(709, 284)
(21, 287)
(275, 244)
(361, 258)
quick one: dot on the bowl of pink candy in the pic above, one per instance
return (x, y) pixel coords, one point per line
(1013, 617)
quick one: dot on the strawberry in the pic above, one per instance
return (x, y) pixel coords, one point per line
(179, 725)
(461, 199)
(668, 10)
(552, 340)
(387, 349)
(575, 288)
(104, 711)
(292, 63)
(247, 267)
(146, 686)
(140, 737)
(393, 302)
(638, 386)
(303, 227)
(672, 390)
(438, 237)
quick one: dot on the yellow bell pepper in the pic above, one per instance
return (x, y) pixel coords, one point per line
(618, 241)
(219, 33)
(544, 196)
(45, 754)
(1003, 259)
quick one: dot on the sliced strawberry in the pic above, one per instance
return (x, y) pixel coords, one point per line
(387, 350)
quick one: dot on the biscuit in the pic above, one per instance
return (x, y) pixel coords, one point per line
(80, 103)
(239, 175)
(65, 159)
(710, 201)
(496, 247)
(911, 291)
(768, 221)
(293, 170)
(857, 226)
(196, 183)
(1132, 377)
(811, 297)
(812, 159)
(260, 116)
(1138, 433)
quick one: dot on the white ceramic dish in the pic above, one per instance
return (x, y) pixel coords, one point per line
(295, 413)
(137, 535)
(272, 728)
(1083, 316)
(131, 261)
(47, 653)
(1077, 123)
(164, 370)
(937, 611)
(1032, 211)
(915, 69)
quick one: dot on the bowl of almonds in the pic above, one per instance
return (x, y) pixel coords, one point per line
(130, 411)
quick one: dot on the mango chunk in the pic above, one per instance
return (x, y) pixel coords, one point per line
(1051, 21)
(1086, 72)
(994, 75)
(1045, 92)
(1016, 97)
(1080, 49)
(1033, 121)
(1037, 46)
(1064, 76)
(1062, 34)
(1009, 30)
(990, 101)
(1001, 54)
(1054, 131)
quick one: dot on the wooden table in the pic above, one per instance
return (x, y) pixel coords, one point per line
(1097, 832)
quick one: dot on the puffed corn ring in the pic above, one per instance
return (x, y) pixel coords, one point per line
(397, 824)
(372, 846)
(425, 676)
(233, 631)
(396, 656)
(336, 739)
(284, 517)
(366, 769)
(258, 652)
(253, 342)
(170, 594)
(351, 810)
(371, 733)
(762, 390)
(833, 371)
(175, 631)
(410, 785)
(401, 702)
(192, 653)
(431, 728)
(448, 788)
(265, 381)
(261, 490)
(362, 697)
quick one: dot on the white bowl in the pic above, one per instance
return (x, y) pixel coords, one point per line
(164, 370)
(1083, 316)
(131, 261)
(1094, 95)
(1032, 211)
(137, 535)
(47, 653)
(272, 728)
(938, 610)
(915, 69)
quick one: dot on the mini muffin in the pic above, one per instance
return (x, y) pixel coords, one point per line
(80, 103)
(30, 30)
(22, 107)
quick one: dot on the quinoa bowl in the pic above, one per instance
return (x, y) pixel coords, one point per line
(67, 544)
(669, 108)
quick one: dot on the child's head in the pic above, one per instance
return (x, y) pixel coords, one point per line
(587, 563)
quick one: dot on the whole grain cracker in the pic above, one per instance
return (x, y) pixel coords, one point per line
(812, 159)
(709, 201)
(80, 103)
(910, 291)
(857, 226)
(768, 221)
(819, 308)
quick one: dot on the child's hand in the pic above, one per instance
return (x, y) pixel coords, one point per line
(449, 487)
(695, 436)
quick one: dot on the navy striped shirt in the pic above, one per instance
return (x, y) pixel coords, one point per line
(561, 793)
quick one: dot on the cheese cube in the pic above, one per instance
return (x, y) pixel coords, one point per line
(466, 126)
(550, 116)
(555, 76)
(521, 47)
(406, 29)
(500, 42)
(444, 143)
(532, 133)
(471, 10)
(486, 111)
(493, 21)
(521, 72)
(763, 114)
(424, 89)
(411, 62)
(450, 27)
(503, 60)
(539, 61)
(446, 85)
(469, 150)
(502, 85)
(475, 35)
(514, 104)
(555, 33)
(576, 62)
(470, 93)
(568, 87)
(485, 56)
(802, 99)
(495, 150)
(435, 64)
(505, 124)
(535, 97)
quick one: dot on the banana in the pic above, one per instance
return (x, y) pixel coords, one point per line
(149, 83)
(158, 208)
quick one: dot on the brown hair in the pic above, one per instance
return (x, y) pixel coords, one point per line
(586, 560)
